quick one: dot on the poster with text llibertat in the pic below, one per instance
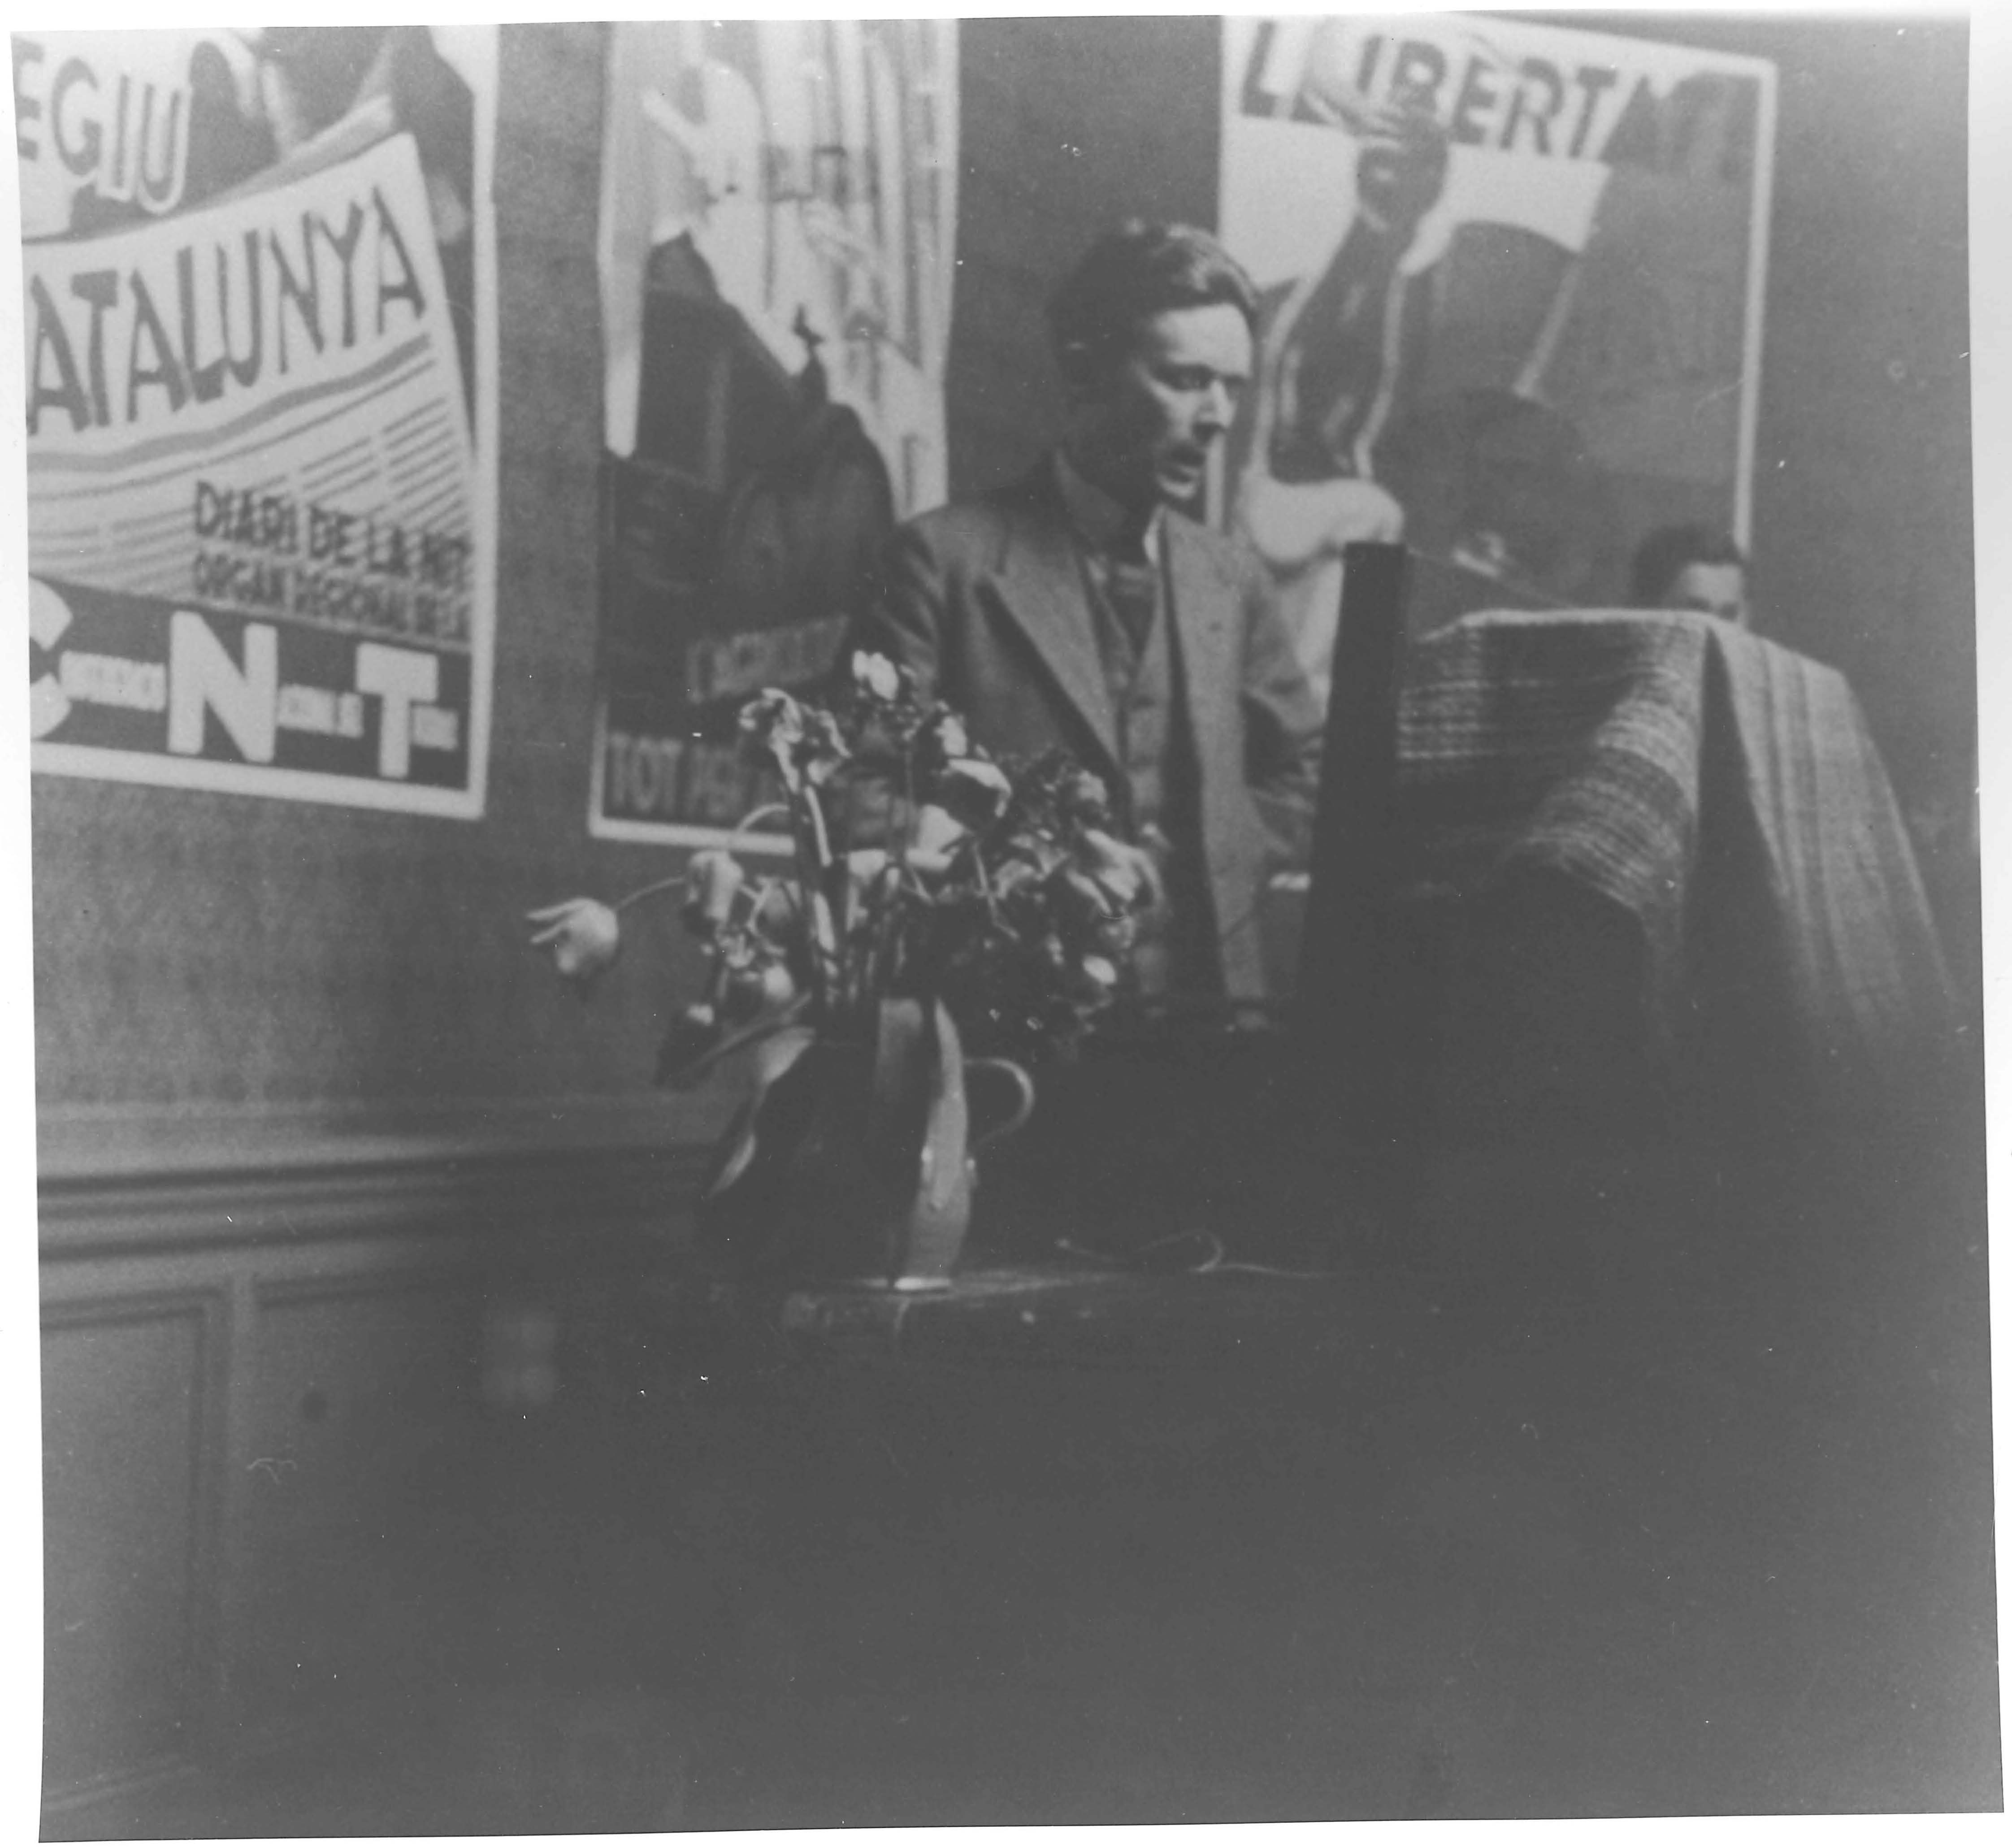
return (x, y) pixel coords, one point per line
(259, 331)
(1511, 281)
(777, 219)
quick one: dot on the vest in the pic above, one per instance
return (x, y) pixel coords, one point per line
(1161, 790)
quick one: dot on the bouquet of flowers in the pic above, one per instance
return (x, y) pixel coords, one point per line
(920, 869)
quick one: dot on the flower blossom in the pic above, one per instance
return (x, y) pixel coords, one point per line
(713, 878)
(584, 935)
(1011, 891)
(941, 739)
(937, 832)
(874, 677)
(775, 722)
(1100, 971)
(746, 992)
(824, 751)
(1081, 797)
(864, 864)
(973, 791)
(805, 742)
(1128, 876)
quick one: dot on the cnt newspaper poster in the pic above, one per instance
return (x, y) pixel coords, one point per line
(1511, 278)
(258, 324)
(777, 223)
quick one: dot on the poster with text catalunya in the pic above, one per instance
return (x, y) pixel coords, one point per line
(1510, 278)
(258, 314)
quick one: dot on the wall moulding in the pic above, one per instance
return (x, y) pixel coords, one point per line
(117, 1180)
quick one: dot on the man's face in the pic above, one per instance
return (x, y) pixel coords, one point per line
(1144, 427)
(1710, 590)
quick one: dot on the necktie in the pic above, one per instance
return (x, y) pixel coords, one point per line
(1133, 583)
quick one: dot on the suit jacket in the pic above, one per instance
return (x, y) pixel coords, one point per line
(985, 600)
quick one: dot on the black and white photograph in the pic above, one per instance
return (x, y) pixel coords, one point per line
(1006, 921)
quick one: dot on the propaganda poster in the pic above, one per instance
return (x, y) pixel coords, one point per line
(1511, 278)
(259, 344)
(778, 213)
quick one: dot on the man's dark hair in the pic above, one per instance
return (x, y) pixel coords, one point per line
(1660, 558)
(1131, 274)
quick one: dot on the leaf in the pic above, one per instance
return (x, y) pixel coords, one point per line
(777, 1027)
(777, 1053)
(692, 1036)
(739, 1143)
(772, 1058)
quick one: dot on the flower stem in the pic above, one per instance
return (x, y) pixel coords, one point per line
(649, 891)
(755, 815)
(733, 1043)
(813, 862)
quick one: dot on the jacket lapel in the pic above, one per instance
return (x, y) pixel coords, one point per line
(1041, 578)
(1204, 604)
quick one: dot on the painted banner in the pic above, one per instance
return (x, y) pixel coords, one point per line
(778, 214)
(1512, 279)
(258, 304)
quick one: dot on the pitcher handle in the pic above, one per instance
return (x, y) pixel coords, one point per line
(1022, 1110)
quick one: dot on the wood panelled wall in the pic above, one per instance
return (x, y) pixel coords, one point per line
(267, 1398)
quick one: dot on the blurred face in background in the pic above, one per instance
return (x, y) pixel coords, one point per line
(1710, 590)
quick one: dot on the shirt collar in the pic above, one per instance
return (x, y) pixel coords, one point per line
(1099, 521)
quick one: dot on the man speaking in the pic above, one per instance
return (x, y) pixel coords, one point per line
(1081, 607)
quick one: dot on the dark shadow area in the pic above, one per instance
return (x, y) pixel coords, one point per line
(1672, 1495)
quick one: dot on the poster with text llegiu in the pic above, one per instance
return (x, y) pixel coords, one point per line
(1510, 278)
(777, 221)
(258, 312)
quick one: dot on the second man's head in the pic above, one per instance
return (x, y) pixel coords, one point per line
(1691, 567)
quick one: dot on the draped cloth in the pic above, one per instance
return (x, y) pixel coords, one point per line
(1721, 790)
